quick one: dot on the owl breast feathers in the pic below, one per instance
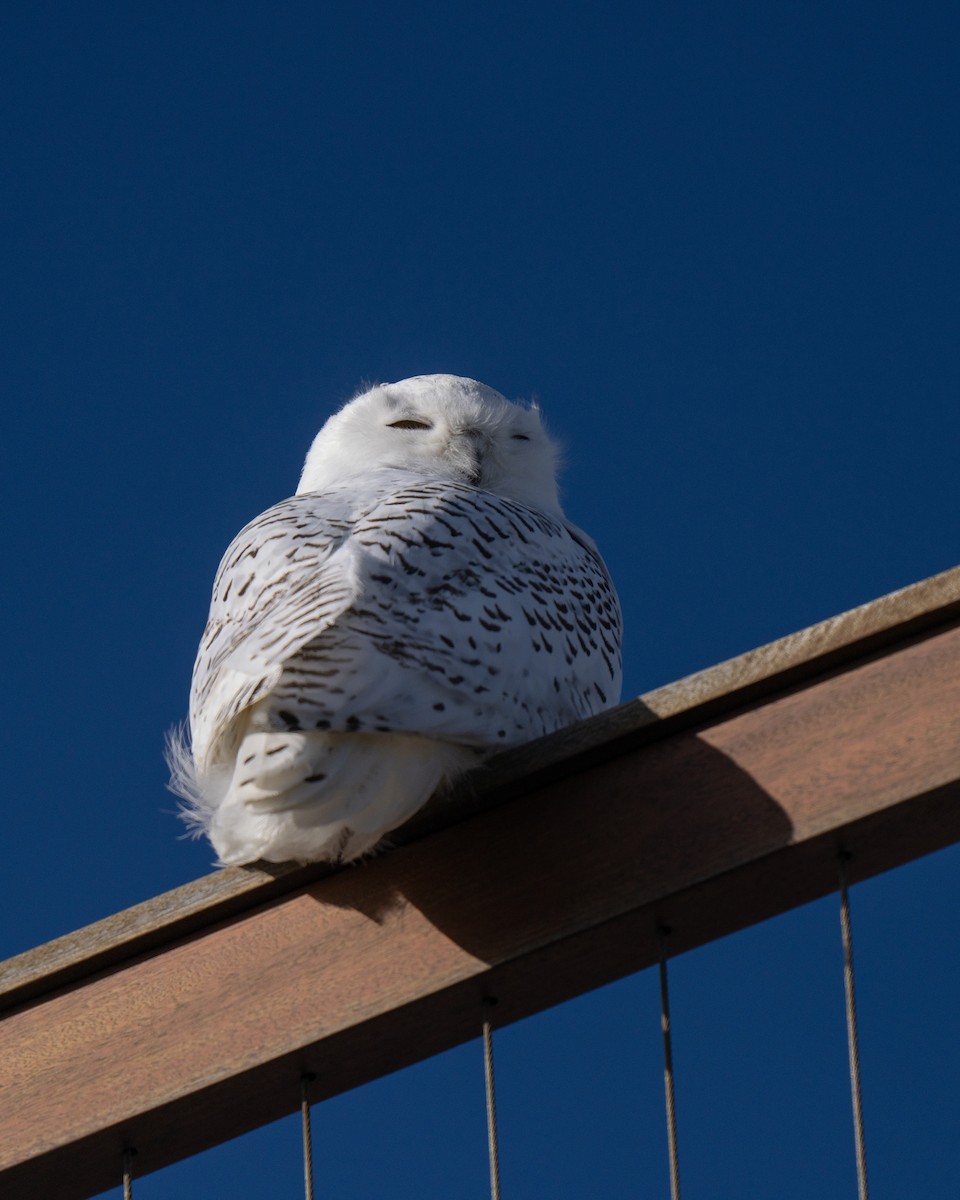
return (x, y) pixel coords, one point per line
(372, 636)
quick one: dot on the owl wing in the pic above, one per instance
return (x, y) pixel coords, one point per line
(282, 581)
(406, 605)
(475, 620)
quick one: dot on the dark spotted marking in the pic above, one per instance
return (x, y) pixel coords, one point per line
(433, 544)
(560, 590)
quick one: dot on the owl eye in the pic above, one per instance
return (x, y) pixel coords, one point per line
(520, 437)
(409, 424)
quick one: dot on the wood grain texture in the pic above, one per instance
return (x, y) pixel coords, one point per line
(849, 637)
(707, 808)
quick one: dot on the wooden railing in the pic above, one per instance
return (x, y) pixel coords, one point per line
(705, 806)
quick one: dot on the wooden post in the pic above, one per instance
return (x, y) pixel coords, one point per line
(707, 805)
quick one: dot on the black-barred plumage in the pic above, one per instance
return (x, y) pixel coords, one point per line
(420, 601)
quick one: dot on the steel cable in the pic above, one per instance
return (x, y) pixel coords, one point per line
(493, 1151)
(669, 1096)
(305, 1081)
(853, 1041)
(128, 1173)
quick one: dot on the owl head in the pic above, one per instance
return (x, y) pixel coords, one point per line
(441, 427)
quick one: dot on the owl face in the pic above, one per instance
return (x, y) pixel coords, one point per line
(440, 426)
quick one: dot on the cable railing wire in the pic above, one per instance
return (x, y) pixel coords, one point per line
(668, 1085)
(305, 1081)
(853, 1041)
(493, 1151)
(127, 1173)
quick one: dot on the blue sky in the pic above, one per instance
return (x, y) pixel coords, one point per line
(720, 243)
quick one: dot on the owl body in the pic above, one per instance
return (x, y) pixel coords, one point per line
(373, 636)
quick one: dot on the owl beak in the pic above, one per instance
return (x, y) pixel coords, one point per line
(475, 447)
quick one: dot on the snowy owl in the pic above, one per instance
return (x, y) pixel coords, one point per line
(420, 602)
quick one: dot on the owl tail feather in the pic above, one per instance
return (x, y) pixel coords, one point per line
(199, 795)
(316, 797)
